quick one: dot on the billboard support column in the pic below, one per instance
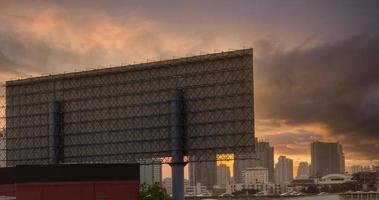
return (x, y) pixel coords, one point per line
(55, 132)
(177, 118)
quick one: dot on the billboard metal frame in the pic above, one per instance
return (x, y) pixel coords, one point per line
(228, 76)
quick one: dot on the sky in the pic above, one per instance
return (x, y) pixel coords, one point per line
(316, 63)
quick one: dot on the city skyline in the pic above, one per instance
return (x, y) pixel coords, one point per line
(327, 97)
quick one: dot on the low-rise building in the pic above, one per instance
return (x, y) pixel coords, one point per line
(334, 179)
(198, 190)
(257, 175)
(167, 184)
(234, 187)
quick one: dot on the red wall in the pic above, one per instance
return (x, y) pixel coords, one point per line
(102, 190)
(7, 190)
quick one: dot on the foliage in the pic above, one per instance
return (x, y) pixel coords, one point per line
(153, 192)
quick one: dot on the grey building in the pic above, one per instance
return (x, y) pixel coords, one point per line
(223, 175)
(327, 158)
(283, 172)
(151, 173)
(264, 157)
(303, 171)
(204, 173)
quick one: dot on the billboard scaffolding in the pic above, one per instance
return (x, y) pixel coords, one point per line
(122, 114)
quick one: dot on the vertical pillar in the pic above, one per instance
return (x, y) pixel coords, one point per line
(55, 133)
(177, 118)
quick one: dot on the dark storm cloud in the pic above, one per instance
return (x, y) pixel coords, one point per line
(335, 84)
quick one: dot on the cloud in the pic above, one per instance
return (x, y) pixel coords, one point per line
(48, 38)
(334, 84)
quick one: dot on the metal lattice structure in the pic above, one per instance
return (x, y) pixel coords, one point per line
(122, 114)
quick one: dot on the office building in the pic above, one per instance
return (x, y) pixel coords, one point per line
(167, 184)
(263, 157)
(223, 175)
(327, 158)
(303, 171)
(151, 173)
(283, 172)
(204, 173)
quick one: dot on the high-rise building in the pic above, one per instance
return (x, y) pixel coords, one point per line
(375, 168)
(283, 171)
(303, 171)
(327, 158)
(167, 184)
(263, 157)
(151, 173)
(204, 173)
(241, 163)
(223, 175)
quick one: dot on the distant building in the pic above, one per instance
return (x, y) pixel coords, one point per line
(359, 195)
(327, 158)
(197, 190)
(300, 184)
(151, 173)
(255, 175)
(263, 157)
(331, 179)
(359, 168)
(223, 175)
(303, 171)
(257, 178)
(234, 187)
(375, 168)
(241, 162)
(167, 184)
(204, 173)
(283, 172)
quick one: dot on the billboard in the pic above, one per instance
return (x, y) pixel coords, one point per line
(121, 114)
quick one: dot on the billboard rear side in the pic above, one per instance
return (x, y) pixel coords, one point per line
(122, 114)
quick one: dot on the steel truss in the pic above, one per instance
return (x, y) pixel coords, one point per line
(122, 114)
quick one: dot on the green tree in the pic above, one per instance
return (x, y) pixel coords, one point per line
(153, 192)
